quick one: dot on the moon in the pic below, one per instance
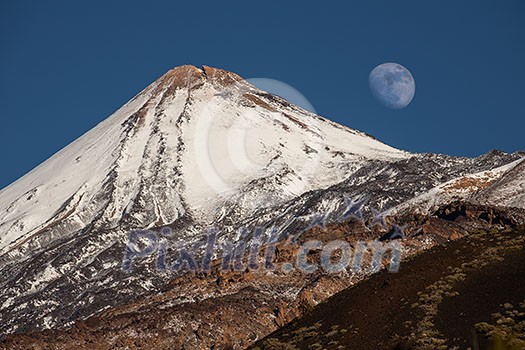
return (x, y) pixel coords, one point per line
(392, 84)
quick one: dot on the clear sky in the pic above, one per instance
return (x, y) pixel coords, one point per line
(65, 66)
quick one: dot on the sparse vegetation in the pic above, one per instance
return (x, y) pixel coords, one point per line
(426, 336)
(508, 332)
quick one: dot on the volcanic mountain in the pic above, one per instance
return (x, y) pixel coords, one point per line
(202, 148)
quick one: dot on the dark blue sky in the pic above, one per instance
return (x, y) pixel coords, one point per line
(64, 67)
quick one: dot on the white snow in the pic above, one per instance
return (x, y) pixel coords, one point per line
(226, 143)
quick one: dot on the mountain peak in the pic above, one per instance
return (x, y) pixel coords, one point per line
(221, 76)
(190, 76)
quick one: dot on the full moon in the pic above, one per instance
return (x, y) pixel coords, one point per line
(392, 84)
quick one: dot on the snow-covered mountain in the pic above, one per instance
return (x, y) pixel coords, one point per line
(201, 147)
(191, 140)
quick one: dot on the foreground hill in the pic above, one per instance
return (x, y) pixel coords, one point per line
(467, 293)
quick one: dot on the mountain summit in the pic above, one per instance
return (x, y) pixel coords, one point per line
(199, 148)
